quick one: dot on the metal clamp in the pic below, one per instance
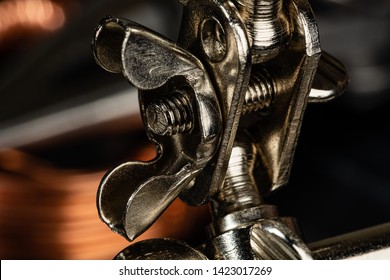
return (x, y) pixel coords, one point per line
(181, 115)
(245, 68)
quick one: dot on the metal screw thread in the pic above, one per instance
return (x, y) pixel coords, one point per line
(239, 190)
(260, 93)
(267, 25)
(171, 115)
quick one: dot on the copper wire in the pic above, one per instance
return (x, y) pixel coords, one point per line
(49, 213)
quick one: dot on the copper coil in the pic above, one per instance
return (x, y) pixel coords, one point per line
(50, 213)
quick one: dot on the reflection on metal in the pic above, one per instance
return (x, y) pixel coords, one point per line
(134, 195)
(371, 243)
(225, 110)
(268, 26)
(160, 249)
(330, 80)
(276, 132)
(243, 226)
(229, 72)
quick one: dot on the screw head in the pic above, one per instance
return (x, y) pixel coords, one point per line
(157, 119)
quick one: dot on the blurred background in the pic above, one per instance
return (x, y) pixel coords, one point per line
(64, 122)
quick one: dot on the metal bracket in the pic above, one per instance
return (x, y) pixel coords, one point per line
(134, 194)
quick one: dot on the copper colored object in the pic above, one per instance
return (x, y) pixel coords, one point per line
(20, 17)
(49, 213)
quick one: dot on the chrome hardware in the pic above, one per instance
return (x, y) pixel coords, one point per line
(371, 243)
(268, 26)
(160, 249)
(260, 93)
(206, 26)
(236, 88)
(134, 194)
(244, 227)
(170, 116)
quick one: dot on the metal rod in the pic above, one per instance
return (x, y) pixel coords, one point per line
(370, 243)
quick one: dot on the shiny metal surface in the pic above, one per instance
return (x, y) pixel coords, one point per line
(370, 243)
(239, 190)
(243, 226)
(53, 94)
(133, 195)
(330, 80)
(225, 110)
(171, 116)
(265, 239)
(261, 92)
(277, 132)
(268, 26)
(272, 240)
(229, 72)
(160, 249)
(241, 218)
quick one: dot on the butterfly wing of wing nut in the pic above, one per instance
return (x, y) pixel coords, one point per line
(181, 116)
